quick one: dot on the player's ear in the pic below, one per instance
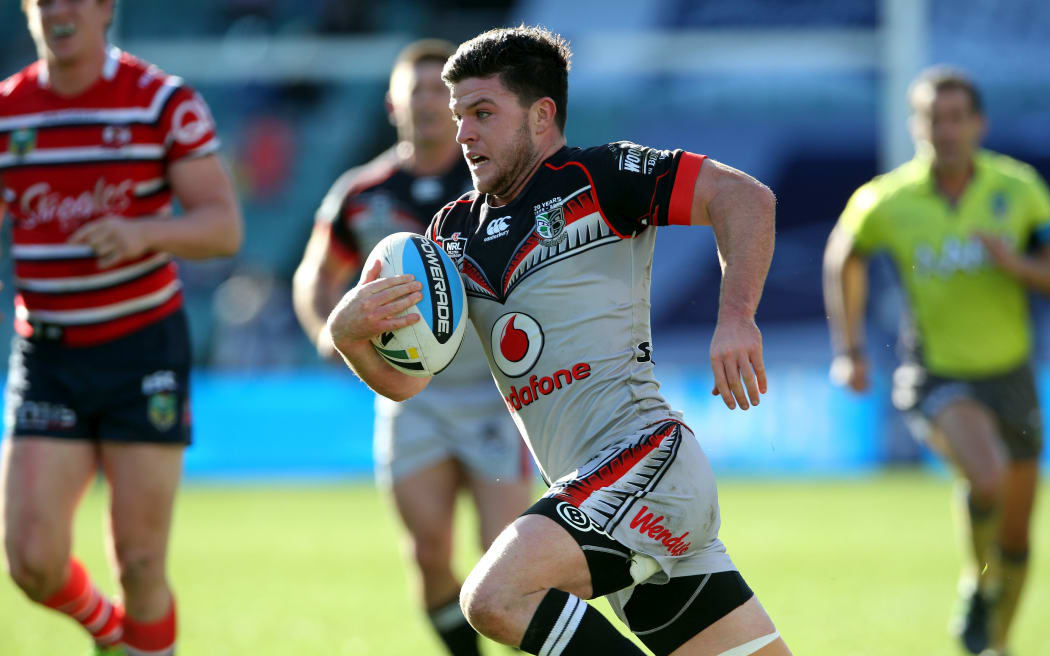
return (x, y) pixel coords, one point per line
(541, 115)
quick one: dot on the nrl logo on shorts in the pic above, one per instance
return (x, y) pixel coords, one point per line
(550, 226)
(23, 141)
(162, 410)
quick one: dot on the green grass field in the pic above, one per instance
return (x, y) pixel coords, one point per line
(845, 567)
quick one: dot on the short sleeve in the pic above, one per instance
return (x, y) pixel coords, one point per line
(639, 186)
(188, 127)
(1040, 212)
(860, 220)
(331, 216)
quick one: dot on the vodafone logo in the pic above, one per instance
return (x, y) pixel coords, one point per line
(517, 341)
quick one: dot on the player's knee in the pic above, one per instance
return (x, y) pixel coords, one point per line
(139, 567)
(485, 606)
(35, 566)
(986, 484)
(432, 554)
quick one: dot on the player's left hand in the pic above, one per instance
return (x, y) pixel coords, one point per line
(736, 354)
(114, 239)
(999, 250)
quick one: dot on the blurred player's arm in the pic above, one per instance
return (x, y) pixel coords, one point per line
(318, 284)
(209, 227)
(845, 301)
(741, 210)
(1032, 270)
(369, 309)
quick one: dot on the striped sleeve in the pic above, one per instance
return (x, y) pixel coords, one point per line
(188, 126)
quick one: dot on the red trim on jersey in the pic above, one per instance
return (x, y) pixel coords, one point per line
(80, 300)
(91, 334)
(681, 209)
(590, 180)
(70, 268)
(579, 490)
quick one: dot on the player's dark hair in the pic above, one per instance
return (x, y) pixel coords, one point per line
(423, 50)
(532, 62)
(946, 78)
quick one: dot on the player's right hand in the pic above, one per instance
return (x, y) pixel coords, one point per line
(372, 308)
(850, 370)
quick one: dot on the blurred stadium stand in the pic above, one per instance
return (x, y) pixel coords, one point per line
(806, 95)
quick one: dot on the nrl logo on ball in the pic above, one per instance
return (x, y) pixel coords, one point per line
(550, 226)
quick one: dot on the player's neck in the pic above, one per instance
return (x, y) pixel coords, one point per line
(73, 77)
(953, 180)
(541, 157)
(426, 159)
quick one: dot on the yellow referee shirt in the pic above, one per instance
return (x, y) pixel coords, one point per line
(972, 319)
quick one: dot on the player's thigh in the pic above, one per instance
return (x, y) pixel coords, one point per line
(143, 478)
(745, 631)
(497, 465)
(499, 503)
(43, 480)
(971, 435)
(1018, 501)
(425, 499)
(533, 553)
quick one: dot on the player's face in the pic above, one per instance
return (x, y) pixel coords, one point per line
(947, 121)
(419, 104)
(494, 132)
(64, 30)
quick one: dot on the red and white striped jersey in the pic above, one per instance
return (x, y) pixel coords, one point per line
(67, 161)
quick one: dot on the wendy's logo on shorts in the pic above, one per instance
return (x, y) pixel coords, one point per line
(646, 524)
(517, 341)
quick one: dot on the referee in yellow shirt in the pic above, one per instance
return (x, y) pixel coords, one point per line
(968, 231)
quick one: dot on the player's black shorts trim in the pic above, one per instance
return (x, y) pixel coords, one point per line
(1012, 398)
(132, 389)
(608, 561)
(668, 615)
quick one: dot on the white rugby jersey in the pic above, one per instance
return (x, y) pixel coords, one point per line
(65, 162)
(558, 287)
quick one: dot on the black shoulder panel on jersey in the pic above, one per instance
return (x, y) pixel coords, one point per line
(633, 183)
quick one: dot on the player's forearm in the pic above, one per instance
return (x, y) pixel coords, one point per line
(208, 230)
(1034, 272)
(845, 296)
(377, 374)
(743, 219)
(312, 302)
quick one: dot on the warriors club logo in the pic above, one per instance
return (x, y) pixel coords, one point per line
(517, 341)
(550, 226)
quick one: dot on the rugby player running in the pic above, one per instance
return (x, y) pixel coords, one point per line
(559, 292)
(94, 146)
(457, 434)
(968, 231)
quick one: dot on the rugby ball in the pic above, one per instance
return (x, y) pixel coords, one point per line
(426, 347)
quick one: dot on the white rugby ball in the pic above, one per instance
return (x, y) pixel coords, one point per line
(426, 347)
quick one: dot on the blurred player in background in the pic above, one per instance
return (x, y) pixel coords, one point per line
(556, 248)
(457, 434)
(969, 233)
(94, 145)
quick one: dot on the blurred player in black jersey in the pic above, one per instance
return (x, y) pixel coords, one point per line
(458, 433)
